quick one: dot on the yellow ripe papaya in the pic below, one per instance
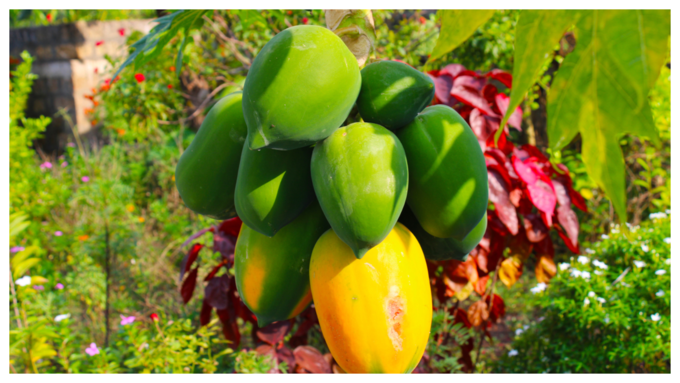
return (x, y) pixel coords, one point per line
(375, 312)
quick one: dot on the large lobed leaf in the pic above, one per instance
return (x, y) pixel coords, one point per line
(601, 91)
(456, 27)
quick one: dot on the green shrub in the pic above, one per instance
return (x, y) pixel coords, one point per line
(606, 311)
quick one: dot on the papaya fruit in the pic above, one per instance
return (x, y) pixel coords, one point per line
(273, 187)
(448, 189)
(375, 313)
(441, 249)
(299, 89)
(360, 177)
(272, 274)
(206, 172)
(393, 93)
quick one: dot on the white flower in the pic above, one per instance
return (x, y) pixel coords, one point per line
(586, 302)
(591, 294)
(640, 264)
(644, 247)
(668, 211)
(598, 272)
(575, 273)
(660, 293)
(133, 261)
(668, 261)
(518, 332)
(526, 327)
(585, 274)
(606, 319)
(658, 215)
(667, 240)
(564, 266)
(660, 272)
(601, 300)
(590, 251)
(513, 353)
(583, 259)
(61, 317)
(599, 264)
(605, 236)
(539, 287)
(23, 281)
(656, 317)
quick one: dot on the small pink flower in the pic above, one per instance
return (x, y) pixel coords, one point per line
(126, 320)
(71, 145)
(46, 165)
(59, 286)
(85, 179)
(92, 350)
(121, 31)
(96, 70)
(38, 287)
(16, 249)
(98, 43)
(58, 233)
(64, 164)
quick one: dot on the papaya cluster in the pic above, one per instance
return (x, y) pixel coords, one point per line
(342, 214)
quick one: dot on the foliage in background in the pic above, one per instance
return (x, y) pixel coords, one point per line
(606, 311)
(19, 18)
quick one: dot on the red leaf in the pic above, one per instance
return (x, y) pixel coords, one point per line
(467, 89)
(498, 194)
(470, 79)
(561, 192)
(491, 163)
(188, 286)
(542, 196)
(516, 196)
(273, 333)
(503, 102)
(504, 145)
(217, 292)
(547, 219)
(524, 172)
(231, 226)
(478, 312)
(497, 309)
(533, 151)
(284, 354)
(574, 248)
(567, 218)
(480, 286)
(578, 200)
(535, 228)
(545, 247)
(501, 76)
(311, 360)
(214, 271)
(489, 93)
(460, 316)
(230, 327)
(457, 274)
(442, 88)
(206, 311)
(189, 259)
(495, 224)
(452, 70)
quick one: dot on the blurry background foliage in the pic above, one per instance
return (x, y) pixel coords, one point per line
(97, 227)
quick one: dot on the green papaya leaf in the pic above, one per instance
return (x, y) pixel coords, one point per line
(536, 34)
(593, 94)
(456, 27)
(150, 46)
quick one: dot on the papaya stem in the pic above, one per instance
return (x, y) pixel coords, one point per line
(356, 28)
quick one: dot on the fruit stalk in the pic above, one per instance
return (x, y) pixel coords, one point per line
(356, 28)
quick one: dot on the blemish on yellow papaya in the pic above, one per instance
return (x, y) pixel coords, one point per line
(395, 309)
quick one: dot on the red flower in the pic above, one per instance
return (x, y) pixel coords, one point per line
(154, 317)
(96, 70)
(305, 20)
(423, 20)
(169, 86)
(107, 81)
(121, 31)
(172, 68)
(139, 77)
(98, 43)
(49, 18)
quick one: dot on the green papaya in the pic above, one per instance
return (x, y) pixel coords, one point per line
(273, 187)
(299, 89)
(441, 249)
(360, 177)
(272, 274)
(393, 93)
(206, 173)
(448, 190)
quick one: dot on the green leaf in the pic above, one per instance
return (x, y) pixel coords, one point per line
(593, 94)
(457, 26)
(24, 266)
(536, 34)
